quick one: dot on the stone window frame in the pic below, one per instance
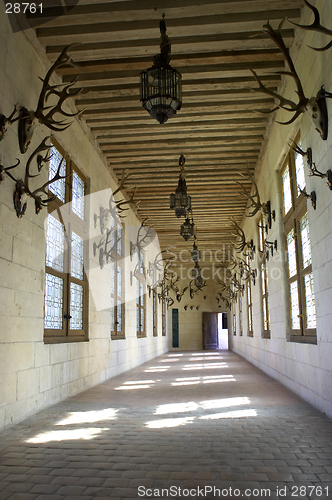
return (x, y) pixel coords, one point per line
(291, 221)
(77, 225)
(118, 261)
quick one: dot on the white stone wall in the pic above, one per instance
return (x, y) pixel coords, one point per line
(34, 375)
(306, 369)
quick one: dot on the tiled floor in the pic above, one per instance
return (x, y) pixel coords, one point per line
(182, 426)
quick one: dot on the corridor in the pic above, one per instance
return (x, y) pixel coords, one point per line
(202, 424)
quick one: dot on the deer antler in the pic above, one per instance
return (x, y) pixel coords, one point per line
(117, 206)
(4, 170)
(4, 121)
(239, 233)
(255, 202)
(48, 90)
(22, 187)
(145, 235)
(285, 104)
(315, 26)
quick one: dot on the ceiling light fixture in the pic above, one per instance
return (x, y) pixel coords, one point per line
(180, 201)
(161, 89)
(187, 229)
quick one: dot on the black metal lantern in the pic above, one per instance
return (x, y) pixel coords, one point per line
(180, 201)
(161, 88)
(199, 282)
(187, 229)
(195, 253)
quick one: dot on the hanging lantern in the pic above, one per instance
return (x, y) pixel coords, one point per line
(180, 201)
(195, 254)
(199, 282)
(196, 271)
(161, 89)
(187, 229)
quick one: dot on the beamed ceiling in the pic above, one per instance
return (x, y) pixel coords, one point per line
(215, 43)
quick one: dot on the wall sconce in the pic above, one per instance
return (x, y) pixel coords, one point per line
(180, 201)
(161, 87)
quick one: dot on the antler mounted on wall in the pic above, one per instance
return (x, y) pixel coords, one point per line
(315, 26)
(44, 114)
(315, 105)
(312, 166)
(255, 201)
(22, 187)
(5, 171)
(242, 244)
(4, 121)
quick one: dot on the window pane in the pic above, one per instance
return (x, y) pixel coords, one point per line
(265, 317)
(112, 278)
(53, 302)
(119, 316)
(58, 187)
(55, 240)
(295, 310)
(112, 315)
(76, 256)
(299, 169)
(286, 188)
(263, 279)
(76, 307)
(78, 196)
(119, 244)
(291, 252)
(310, 301)
(305, 241)
(119, 273)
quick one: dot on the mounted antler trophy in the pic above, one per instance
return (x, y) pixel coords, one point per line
(5, 171)
(315, 105)
(22, 187)
(242, 244)
(4, 121)
(312, 166)
(44, 114)
(255, 201)
(115, 207)
(315, 26)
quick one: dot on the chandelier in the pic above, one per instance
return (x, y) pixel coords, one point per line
(161, 90)
(180, 201)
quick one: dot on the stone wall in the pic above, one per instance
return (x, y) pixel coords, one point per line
(33, 374)
(306, 369)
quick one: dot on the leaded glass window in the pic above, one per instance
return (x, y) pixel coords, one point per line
(299, 171)
(140, 294)
(53, 302)
(55, 243)
(286, 184)
(78, 196)
(65, 277)
(117, 280)
(299, 260)
(264, 280)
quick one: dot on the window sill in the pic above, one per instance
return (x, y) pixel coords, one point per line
(303, 339)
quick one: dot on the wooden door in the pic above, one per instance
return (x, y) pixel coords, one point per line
(210, 330)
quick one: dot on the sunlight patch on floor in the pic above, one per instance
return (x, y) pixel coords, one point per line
(169, 422)
(89, 416)
(66, 435)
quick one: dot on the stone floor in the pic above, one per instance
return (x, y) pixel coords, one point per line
(186, 425)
